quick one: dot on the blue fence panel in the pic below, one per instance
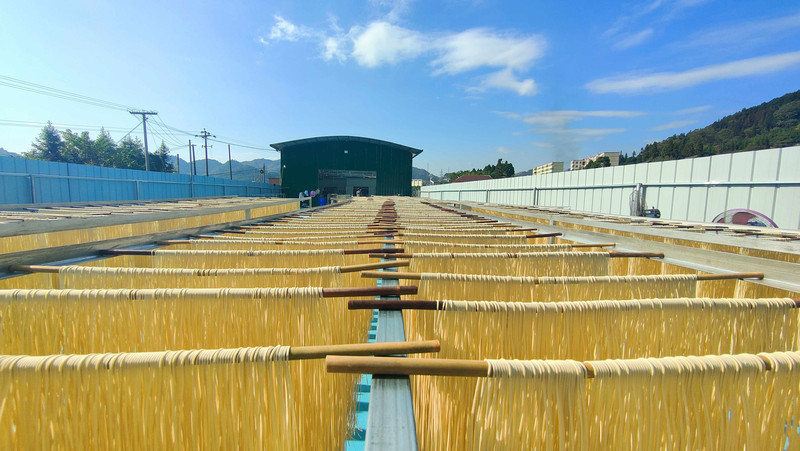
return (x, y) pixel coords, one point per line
(55, 182)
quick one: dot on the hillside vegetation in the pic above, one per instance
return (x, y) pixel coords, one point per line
(772, 124)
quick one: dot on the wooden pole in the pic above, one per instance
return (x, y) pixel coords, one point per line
(418, 276)
(391, 275)
(388, 348)
(34, 268)
(544, 235)
(595, 245)
(357, 304)
(733, 275)
(368, 291)
(611, 254)
(368, 266)
(406, 366)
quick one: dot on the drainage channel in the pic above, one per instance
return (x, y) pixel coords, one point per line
(385, 401)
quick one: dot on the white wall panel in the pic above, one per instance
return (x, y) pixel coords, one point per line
(696, 189)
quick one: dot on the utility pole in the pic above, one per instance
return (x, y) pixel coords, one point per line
(192, 159)
(144, 124)
(230, 162)
(204, 134)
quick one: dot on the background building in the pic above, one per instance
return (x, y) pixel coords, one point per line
(577, 165)
(345, 165)
(553, 166)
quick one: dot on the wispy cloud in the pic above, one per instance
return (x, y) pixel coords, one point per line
(647, 15)
(508, 114)
(672, 125)
(665, 81)
(505, 54)
(504, 150)
(632, 40)
(562, 118)
(758, 31)
(283, 30)
(583, 131)
(693, 110)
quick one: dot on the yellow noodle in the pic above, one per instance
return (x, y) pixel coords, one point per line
(517, 264)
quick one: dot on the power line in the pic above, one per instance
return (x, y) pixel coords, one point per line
(59, 93)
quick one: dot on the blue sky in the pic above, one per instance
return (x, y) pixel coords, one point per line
(467, 81)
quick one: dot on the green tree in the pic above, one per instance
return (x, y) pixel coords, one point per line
(79, 148)
(159, 161)
(602, 162)
(103, 148)
(47, 146)
(129, 154)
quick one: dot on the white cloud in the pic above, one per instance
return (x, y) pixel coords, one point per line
(482, 47)
(662, 81)
(583, 131)
(397, 8)
(673, 124)
(383, 43)
(505, 79)
(508, 114)
(746, 33)
(633, 39)
(561, 118)
(504, 151)
(333, 49)
(696, 109)
(283, 30)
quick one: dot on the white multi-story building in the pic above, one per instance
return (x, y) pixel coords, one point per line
(553, 166)
(577, 165)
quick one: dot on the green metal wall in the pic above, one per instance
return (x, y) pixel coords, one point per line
(303, 161)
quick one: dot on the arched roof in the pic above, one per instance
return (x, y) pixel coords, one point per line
(323, 139)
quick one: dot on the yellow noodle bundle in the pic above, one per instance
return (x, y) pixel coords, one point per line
(587, 330)
(450, 237)
(471, 287)
(39, 322)
(88, 277)
(516, 264)
(266, 245)
(254, 259)
(709, 402)
(250, 398)
(413, 246)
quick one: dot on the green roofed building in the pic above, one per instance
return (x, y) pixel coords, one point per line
(345, 165)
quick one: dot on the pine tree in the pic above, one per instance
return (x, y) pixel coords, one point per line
(48, 145)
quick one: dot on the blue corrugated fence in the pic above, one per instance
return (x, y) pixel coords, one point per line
(24, 181)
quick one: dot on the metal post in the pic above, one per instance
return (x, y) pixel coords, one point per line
(230, 162)
(33, 189)
(144, 125)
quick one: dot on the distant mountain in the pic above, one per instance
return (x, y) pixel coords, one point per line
(520, 174)
(772, 124)
(417, 173)
(245, 170)
(5, 153)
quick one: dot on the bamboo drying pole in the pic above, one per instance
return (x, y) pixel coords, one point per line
(611, 254)
(388, 348)
(368, 291)
(342, 269)
(431, 367)
(407, 366)
(405, 304)
(418, 275)
(244, 253)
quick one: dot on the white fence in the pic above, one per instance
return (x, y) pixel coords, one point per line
(695, 189)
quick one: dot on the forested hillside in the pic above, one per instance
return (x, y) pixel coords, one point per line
(772, 124)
